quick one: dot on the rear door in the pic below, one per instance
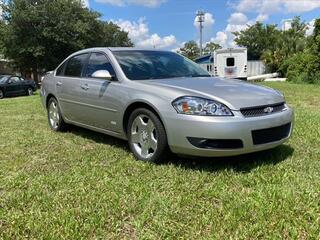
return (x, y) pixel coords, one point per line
(68, 80)
(101, 97)
(230, 70)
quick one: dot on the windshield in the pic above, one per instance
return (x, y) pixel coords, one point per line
(3, 79)
(144, 65)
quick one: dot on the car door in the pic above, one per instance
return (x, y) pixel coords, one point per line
(13, 87)
(68, 79)
(100, 96)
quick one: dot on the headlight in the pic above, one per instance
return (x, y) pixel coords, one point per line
(200, 106)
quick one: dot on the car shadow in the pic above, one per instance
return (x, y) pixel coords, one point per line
(98, 137)
(242, 163)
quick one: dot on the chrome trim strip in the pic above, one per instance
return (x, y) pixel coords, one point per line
(88, 105)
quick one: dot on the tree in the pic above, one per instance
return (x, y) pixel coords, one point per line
(190, 50)
(289, 42)
(38, 34)
(304, 66)
(210, 48)
(257, 39)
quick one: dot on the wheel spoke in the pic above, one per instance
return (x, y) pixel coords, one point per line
(144, 149)
(135, 137)
(153, 143)
(150, 126)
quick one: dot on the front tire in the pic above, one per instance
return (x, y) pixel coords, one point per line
(1, 94)
(55, 119)
(147, 136)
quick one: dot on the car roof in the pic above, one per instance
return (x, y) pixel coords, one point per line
(113, 49)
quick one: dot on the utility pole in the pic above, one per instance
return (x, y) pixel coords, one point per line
(200, 20)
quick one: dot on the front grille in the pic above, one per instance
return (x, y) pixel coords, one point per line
(271, 134)
(263, 110)
(216, 143)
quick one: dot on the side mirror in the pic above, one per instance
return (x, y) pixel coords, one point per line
(103, 74)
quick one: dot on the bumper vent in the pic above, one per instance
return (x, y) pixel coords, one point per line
(269, 135)
(263, 110)
(216, 143)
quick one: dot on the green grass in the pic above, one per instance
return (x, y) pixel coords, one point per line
(81, 184)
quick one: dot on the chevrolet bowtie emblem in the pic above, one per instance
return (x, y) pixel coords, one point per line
(268, 110)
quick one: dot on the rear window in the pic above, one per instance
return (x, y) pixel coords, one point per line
(230, 62)
(75, 65)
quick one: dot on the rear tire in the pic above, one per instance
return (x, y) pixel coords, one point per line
(55, 119)
(147, 136)
(29, 92)
(1, 94)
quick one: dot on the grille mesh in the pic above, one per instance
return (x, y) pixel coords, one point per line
(260, 110)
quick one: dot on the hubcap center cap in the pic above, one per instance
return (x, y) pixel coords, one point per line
(144, 136)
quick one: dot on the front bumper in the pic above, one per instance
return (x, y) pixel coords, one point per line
(181, 127)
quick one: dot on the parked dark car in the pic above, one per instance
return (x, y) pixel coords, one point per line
(15, 86)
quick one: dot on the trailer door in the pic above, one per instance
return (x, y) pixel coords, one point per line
(230, 70)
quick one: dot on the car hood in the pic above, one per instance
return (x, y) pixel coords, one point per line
(235, 94)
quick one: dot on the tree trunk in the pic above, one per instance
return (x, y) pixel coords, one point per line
(35, 76)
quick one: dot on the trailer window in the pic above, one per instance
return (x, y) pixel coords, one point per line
(230, 62)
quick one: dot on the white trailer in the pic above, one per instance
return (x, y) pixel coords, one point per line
(230, 63)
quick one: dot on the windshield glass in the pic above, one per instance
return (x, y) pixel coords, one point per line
(3, 78)
(144, 65)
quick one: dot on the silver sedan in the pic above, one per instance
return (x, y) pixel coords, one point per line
(162, 102)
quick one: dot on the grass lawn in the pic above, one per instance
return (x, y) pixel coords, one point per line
(82, 184)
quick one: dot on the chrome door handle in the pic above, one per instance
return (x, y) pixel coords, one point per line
(84, 86)
(59, 84)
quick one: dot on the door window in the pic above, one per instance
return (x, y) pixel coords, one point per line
(98, 61)
(14, 80)
(230, 62)
(75, 65)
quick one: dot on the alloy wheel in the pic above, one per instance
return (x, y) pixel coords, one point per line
(144, 136)
(54, 115)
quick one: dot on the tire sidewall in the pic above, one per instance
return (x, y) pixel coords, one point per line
(162, 146)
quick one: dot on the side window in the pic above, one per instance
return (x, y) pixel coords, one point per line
(75, 65)
(98, 61)
(14, 79)
(60, 70)
(230, 62)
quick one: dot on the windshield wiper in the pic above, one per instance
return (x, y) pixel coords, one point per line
(203, 75)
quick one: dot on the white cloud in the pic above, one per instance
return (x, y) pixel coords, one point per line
(208, 21)
(310, 27)
(139, 33)
(155, 41)
(301, 6)
(85, 3)
(269, 7)
(262, 17)
(238, 18)
(236, 22)
(220, 38)
(122, 3)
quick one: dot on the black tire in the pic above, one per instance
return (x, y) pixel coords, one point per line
(59, 125)
(29, 91)
(162, 149)
(1, 94)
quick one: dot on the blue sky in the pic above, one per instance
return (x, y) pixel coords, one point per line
(167, 24)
